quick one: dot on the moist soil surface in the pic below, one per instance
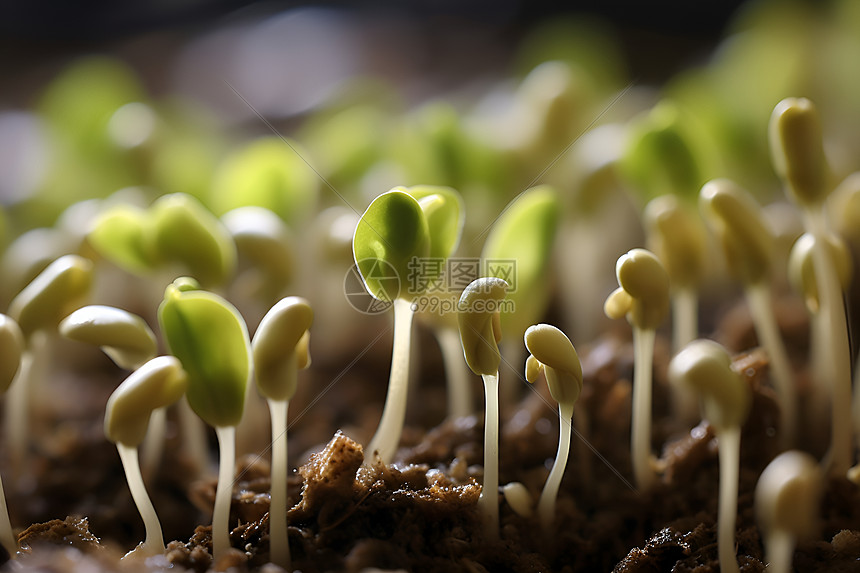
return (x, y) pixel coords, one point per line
(348, 513)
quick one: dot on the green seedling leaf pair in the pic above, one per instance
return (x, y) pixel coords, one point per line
(400, 230)
(175, 230)
(401, 227)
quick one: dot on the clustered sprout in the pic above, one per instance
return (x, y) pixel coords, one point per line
(642, 297)
(706, 367)
(480, 333)
(553, 354)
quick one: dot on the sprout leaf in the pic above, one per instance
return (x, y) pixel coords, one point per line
(388, 236)
(123, 336)
(211, 340)
(158, 383)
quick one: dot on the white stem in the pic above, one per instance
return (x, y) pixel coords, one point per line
(153, 443)
(760, 305)
(729, 440)
(193, 437)
(685, 329)
(279, 546)
(640, 439)
(685, 317)
(460, 402)
(488, 502)
(832, 310)
(7, 537)
(224, 491)
(17, 424)
(394, 413)
(780, 551)
(16, 418)
(154, 542)
(546, 504)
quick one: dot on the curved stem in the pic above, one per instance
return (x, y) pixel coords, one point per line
(832, 310)
(224, 491)
(546, 504)
(153, 443)
(640, 439)
(760, 305)
(729, 440)
(488, 502)
(460, 402)
(194, 441)
(279, 545)
(7, 537)
(384, 443)
(154, 542)
(780, 552)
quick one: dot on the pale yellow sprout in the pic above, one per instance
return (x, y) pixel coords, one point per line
(155, 385)
(280, 349)
(40, 306)
(11, 354)
(801, 272)
(787, 502)
(554, 354)
(56, 292)
(748, 244)
(123, 336)
(706, 367)
(643, 298)
(480, 333)
(519, 498)
(797, 148)
(677, 237)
